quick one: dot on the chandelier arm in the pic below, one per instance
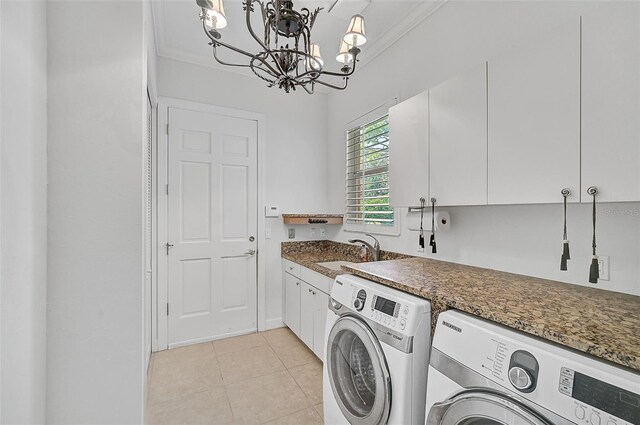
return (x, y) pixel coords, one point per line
(304, 86)
(223, 44)
(221, 62)
(346, 81)
(248, 21)
(342, 74)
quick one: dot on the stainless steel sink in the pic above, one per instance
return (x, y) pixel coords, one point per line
(335, 265)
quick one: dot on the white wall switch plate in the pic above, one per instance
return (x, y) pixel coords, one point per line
(313, 233)
(603, 267)
(271, 211)
(292, 233)
(267, 233)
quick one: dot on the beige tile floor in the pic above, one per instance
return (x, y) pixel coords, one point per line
(264, 378)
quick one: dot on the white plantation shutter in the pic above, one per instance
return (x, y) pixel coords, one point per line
(367, 174)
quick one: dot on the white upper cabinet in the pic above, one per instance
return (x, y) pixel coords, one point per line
(611, 102)
(458, 139)
(409, 151)
(534, 121)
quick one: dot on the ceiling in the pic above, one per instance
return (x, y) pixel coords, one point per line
(179, 33)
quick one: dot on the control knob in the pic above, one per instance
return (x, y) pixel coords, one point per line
(520, 378)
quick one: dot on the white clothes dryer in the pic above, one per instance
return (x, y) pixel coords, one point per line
(376, 354)
(484, 373)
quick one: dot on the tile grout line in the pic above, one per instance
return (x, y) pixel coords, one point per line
(224, 387)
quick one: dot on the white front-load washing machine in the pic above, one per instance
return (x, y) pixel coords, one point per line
(485, 373)
(376, 354)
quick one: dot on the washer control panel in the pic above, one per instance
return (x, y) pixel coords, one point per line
(598, 402)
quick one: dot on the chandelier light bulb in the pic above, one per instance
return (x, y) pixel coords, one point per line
(316, 63)
(344, 56)
(214, 16)
(355, 33)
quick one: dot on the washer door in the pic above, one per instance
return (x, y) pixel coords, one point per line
(358, 372)
(483, 407)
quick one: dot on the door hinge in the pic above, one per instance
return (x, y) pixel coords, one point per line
(167, 129)
(167, 309)
(167, 188)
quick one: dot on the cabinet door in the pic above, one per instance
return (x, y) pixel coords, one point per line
(409, 151)
(534, 121)
(306, 314)
(458, 139)
(292, 303)
(321, 304)
(611, 102)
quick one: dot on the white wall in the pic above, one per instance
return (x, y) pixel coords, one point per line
(295, 148)
(97, 91)
(23, 212)
(520, 239)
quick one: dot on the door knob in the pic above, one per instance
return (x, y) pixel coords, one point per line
(250, 252)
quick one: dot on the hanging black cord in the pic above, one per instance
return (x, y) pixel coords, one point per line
(421, 237)
(594, 273)
(432, 241)
(565, 242)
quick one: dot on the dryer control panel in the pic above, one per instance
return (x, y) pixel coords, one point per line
(598, 402)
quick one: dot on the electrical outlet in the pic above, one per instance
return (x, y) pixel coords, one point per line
(292, 233)
(322, 232)
(603, 267)
(313, 233)
(420, 249)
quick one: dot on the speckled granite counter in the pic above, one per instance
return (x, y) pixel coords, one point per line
(602, 323)
(308, 254)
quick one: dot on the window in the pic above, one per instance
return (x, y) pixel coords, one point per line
(367, 177)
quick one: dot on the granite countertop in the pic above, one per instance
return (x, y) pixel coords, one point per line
(308, 254)
(602, 323)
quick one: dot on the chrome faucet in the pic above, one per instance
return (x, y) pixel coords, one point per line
(374, 249)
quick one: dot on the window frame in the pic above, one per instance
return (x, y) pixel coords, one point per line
(377, 229)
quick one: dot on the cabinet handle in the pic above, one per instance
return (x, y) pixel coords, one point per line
(309, 290)
(297, 283)
(314, 292)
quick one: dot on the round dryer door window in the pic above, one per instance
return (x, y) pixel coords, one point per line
(358, 372)
(483, 407)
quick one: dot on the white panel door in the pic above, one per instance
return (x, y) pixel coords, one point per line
(212, 223)
(321, 306)
(458, 139)
(611, 102)
(534, 121)
(409, 151)
(292, 303)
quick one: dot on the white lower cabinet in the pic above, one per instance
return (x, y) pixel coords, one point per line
(292, 302)
(320, 305)
(305, 306)
(306, 313)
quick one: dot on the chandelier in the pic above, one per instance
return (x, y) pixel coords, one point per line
(286, 58)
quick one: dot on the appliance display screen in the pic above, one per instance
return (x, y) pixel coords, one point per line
(384, 305)
(606, 397)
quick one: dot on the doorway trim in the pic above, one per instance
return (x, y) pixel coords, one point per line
(160, 295)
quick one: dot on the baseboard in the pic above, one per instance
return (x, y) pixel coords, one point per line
(211, 338)
(274, 323)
